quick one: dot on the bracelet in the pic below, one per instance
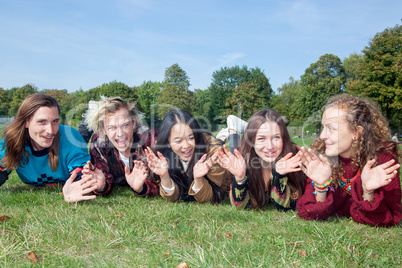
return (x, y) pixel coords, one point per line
(321, 188)
(242, 181)
(369, 193)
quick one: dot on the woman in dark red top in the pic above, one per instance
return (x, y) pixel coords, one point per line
(353, 167)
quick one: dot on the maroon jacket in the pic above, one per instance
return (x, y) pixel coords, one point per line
(384, 210)
(106, 157)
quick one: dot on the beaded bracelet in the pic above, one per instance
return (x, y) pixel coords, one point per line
(321, 188)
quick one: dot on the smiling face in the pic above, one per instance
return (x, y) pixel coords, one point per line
(268, 143)
(119, 128)
(43, 126)
(182, 141)
(336, 133)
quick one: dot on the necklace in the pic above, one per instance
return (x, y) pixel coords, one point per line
(346, 183)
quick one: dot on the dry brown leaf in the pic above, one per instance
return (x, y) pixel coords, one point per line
(375, 256)
(303, 253)
(352, 248)
(117, 215)
(174, 226)
(228, 235)
(28, 211)
(166, 254)
(182, 265)
(33, 257)
(3, 218)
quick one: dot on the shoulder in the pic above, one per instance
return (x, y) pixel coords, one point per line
(70, 135)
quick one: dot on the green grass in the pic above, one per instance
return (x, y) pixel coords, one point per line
(127, 231)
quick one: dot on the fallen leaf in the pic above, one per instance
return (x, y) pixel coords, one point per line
(166, 254)
(117, 215)
(228, 235)
(117, 246)
(33, 257)
(2, 218)
(182, 265)
(352, 248)
(303, 253)
(174, 226)
(60, 193)
(375, 256)
(28, 211)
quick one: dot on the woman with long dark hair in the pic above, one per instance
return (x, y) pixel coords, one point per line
(182, 161)
(266, 168)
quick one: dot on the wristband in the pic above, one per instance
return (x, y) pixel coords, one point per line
(321, 188)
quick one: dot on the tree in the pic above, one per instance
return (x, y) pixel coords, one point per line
(245, 101)
(148, 95)
(351, 65)
(286, 97)
(227, 79)
(202, 102)
(175, 93)
(4, 102)
(19, 96)
(379, 76)
(323, 79)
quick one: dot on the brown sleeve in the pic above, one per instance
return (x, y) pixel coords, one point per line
(205, 194)
(169, 197)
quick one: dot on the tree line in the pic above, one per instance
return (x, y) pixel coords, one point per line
(375, 73)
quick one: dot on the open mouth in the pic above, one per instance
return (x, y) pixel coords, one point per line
(121, 142)
(187, 154)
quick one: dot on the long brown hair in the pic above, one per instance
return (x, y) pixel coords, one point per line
(375, 138)
(254, 167)
(16, 135)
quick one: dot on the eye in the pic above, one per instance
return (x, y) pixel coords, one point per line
(111, 128)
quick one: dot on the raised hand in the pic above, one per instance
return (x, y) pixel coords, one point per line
(157, 164)
(234, 163)
(202, 167)
(137, 176)
(381, 175)
(317, 168)
(288, 164)
(75, 191)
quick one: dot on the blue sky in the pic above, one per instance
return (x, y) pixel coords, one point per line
(73, 44)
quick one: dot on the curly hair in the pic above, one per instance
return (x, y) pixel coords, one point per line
(375, 138)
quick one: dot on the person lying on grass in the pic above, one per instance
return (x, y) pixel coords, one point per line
(43, 152)
(183, 162)
(353, 167)
(117, 147)
(266, 168)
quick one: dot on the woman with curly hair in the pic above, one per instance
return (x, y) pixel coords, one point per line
(352, 168)
(266, 169)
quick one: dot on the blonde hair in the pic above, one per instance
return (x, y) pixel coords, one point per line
(96, 114)
(375, 137)
(16, 135)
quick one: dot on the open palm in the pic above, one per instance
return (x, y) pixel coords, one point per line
(379, 176)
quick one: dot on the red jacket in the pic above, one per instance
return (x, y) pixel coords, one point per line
(384, 210)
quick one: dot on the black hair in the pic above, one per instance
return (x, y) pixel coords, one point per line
(183, 179)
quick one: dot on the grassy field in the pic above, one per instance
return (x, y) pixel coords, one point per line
(126, 231)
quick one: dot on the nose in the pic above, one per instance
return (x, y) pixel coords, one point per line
(324, 134)
(49, 129)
